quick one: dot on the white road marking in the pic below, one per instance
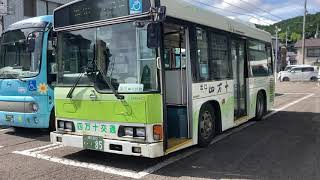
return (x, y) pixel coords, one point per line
(296, 93)
(275, 111)
(36, 152)
(2, 130)
(49, 149)
(92, 166)
(167, 162)
(40, 148)
(1, 146)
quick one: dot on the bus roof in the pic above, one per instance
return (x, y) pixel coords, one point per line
(181, 9)
(184, 10)
(36, 22)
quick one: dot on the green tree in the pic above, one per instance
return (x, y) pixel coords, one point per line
(295, 37)
(282, 36)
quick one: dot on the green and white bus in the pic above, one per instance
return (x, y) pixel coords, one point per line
(151, 77)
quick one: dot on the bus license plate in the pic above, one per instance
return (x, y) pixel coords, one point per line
(9, 118)
(93, 143)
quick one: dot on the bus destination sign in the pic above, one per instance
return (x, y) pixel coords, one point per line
(95, 10)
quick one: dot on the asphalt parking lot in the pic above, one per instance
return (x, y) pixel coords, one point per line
(283, 146)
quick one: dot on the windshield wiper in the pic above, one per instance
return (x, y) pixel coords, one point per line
(114, 91)
(75, 85)
(86, 69)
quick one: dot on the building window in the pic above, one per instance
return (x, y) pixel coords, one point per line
(30, 8)
(313, 52)
(51, 6)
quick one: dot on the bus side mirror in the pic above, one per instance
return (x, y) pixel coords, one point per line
(153, 35)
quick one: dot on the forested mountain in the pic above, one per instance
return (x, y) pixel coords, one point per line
(294, 27)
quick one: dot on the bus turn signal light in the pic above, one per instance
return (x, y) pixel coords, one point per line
(157, 132)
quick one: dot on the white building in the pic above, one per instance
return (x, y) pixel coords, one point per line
(312, 51)
(17, 10)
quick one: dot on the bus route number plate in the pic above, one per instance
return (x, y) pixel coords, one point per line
(93, 143)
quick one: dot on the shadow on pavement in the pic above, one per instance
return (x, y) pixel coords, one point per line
(285, 146)
(36, 134)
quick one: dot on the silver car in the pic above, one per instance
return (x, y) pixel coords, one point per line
(305, 73)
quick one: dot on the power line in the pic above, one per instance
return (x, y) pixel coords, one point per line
(252, 5)
(249, 15)
(244, 9)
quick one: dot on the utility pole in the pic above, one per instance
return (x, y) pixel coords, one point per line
(317, 32)
(276, 49)
(304, 32)
(287, 37)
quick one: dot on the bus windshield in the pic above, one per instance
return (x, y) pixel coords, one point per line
(15, 59)
(121, 49)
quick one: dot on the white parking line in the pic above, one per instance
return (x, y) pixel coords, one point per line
(92, 166)
(40, 148)
(37, 152)
(1, 146)
(2, 130)
(275, 111)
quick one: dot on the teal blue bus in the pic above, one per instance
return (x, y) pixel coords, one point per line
(27, 72)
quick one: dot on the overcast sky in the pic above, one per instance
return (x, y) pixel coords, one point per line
(256, 10)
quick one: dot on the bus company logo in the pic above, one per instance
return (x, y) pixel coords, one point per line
(217, 88)
(43, 88)
(96, 128)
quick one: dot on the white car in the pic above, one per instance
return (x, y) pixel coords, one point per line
(288, 68)
(302, 73)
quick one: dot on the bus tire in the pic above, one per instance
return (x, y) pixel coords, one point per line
(207, 125)
(260, 106)
(52, 122)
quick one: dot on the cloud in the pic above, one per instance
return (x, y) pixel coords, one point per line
(259, 11)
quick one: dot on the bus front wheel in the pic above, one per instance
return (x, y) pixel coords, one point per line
(207, 125)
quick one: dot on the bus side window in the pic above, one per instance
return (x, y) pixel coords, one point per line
(202, 54)
(51, 59)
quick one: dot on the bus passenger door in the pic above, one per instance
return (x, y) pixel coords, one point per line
(238, 63)
(176, 80)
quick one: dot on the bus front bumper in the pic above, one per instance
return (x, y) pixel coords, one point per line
(24, 120)
(152, 150)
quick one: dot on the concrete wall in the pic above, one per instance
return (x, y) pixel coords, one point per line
(308, 60)
(17, 12)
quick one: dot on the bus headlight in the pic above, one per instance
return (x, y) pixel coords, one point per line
(140, 132)
(132, 132)
(67, 126)
(61, 125)
(128, 131)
